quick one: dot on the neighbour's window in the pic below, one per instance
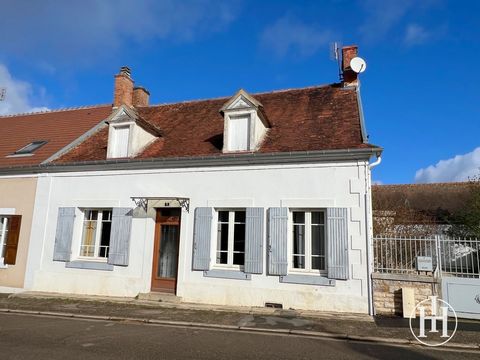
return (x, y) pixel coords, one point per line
(30, 148)
(96, 233)
(308, 249)
(231, 238)
(3, 237)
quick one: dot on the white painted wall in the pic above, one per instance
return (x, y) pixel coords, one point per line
(316, 186)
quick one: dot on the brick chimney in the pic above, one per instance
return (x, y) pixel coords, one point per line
(350, 77)
(123, 91)
(141, 96)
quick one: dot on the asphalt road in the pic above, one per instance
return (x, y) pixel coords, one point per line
(35, 337)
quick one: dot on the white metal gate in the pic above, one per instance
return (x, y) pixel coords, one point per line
(456, 262)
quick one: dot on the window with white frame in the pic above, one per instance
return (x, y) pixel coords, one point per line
(3, 237)
(96, 233)
(121, 135)
(230, 250)
(239, 132)
(308, 242)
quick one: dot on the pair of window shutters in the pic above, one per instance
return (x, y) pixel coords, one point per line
(337, 237)
(202, 238)
(119, 235)
(14, 222)
(337, 242)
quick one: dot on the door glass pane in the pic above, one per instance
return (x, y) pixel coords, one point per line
(168, 256)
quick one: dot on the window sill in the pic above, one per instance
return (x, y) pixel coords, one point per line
(89, 265)
(307, 280)
(227, 274)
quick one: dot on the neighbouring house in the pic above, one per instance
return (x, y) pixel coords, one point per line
(29, 140)
(417, 209)
(247, 200)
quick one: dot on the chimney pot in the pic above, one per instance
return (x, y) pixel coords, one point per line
(125, 70)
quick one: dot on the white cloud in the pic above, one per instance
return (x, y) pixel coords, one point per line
(415, 35)
(382, 16)
(18, 95)
(458, 168)
(82, 31)
(377, 182)
(291, 35)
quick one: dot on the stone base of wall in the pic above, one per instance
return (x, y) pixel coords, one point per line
(387, 291)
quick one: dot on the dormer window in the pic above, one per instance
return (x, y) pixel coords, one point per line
(239, 133)
(121, 136)
(245, 124)
(128, 134)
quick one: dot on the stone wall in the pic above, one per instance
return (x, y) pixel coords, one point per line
(387, 291)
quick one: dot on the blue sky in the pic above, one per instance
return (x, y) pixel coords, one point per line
(420, 90)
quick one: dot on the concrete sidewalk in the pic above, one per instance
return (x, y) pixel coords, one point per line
(300, 323)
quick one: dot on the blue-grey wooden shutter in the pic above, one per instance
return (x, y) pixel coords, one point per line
(120, 236)
(254, 241)
(337, 243)
(277, 241)
(63, 236)
(202, 237)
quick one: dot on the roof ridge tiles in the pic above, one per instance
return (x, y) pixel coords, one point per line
(253, 94)
(55, 110)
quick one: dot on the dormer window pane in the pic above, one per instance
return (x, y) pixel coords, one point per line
(120, 141)
(239, 133)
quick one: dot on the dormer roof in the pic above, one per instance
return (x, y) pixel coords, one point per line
(127, 114)
(241, 100)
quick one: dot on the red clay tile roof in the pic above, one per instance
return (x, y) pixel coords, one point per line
(59, 128)
(316, 118)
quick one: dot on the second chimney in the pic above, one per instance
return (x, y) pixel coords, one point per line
(349, 76)
(123, 92)
(141, 96)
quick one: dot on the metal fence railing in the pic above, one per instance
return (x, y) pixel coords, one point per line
(434, 256)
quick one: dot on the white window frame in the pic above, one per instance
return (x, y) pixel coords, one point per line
(98, 235)
(308, 242)
(231, 233)
(250, 129)
(115, 151)
(3, 239)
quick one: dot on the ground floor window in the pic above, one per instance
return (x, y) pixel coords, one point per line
(230, 248)
(3, 237)
(308, 241)
(96, 233)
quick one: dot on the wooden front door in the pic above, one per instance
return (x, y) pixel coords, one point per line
(165, 253)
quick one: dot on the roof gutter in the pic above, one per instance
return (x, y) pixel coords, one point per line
(297, 157)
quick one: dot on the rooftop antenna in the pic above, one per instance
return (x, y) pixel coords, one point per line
(335, 49)
(3, 93)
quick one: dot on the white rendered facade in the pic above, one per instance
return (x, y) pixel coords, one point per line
(308, 186)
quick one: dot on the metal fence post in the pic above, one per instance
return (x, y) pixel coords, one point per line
(438, 254)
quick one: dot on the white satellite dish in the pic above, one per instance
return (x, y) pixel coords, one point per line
(358, 65)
